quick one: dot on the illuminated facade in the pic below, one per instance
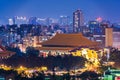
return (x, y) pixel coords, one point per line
(64, 20)
(94, 27)
(108, 37)
(112, 38)
(20, 20)
(65, 43)
(91, 56)
(116, 40)
(31, 41)
(11, 21)
(78, 21)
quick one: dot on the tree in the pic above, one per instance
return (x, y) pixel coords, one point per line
(31, 51)
(89, 75)
(16, 50)
(66, 76)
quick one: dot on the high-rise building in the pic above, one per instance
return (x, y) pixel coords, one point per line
(11, 21)
(41, 21)
(108, 37)
(64, 20)
(48, 21)
(78, 21)
(94, 27)
(112, 38)
(33, 20)
(44, 21)
(116, 39)
(20, 20)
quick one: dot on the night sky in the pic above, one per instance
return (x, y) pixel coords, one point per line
(107, 9)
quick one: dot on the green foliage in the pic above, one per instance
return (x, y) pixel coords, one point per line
(31, 51)
(114, 55)
(16, 50)
(67, 62)
(89, 75)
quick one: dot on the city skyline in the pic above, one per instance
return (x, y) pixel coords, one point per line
(59, 40)
(107, 9)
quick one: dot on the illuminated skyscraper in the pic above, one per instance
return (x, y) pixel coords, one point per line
(11, 21)
(94, 27)
(64, 20)
(20, 20)
(78, 21)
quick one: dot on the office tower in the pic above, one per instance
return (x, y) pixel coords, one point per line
(33, 20)
(108, 37)
(94, 27)
(41, 21)
(116, 39)
(11, 21)
(20, 20)
(48, 21)
(64, 20)
(78, 21)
